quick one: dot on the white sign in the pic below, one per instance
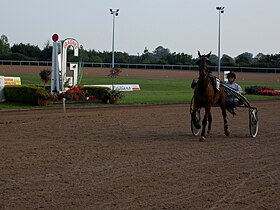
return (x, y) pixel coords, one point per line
(225, 75)
(12, 81)
(120, 87)
(7, 81)
(59, 63)
(74, 68)
(2, 83)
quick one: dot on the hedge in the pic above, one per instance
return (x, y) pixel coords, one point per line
(25, 94)
(99, 92)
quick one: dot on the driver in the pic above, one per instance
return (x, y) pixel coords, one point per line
(231, 100)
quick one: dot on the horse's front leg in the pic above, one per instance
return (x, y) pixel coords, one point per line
(204, 123)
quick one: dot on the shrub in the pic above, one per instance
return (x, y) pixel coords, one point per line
(260, 90)
(98, 92)
(25, 94)
(45, 75)
(254, 90)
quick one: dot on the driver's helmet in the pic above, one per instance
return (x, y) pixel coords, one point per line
(231, 74)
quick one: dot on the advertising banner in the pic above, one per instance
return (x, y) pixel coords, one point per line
(7, 81)
(12, 81)
(120, 87)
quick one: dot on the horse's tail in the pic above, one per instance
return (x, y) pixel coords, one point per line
(230, 109)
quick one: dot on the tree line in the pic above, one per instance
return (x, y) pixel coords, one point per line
(160, 55)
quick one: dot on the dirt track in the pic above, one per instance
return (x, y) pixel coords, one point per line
(137, 158)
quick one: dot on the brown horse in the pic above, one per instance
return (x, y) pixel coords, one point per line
(205, 96)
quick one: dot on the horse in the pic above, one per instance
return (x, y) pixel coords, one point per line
(206, 96)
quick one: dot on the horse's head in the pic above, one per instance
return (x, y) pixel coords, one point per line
(203, 62)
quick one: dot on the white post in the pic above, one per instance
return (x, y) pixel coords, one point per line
(2, 84)
(113, 43)
(219, 47)
(55, 76)
(114, 13)
(221, 10)
(63, 102)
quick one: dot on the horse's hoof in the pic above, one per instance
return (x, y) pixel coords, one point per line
(202, 138)
(227, 132)
(198, 126)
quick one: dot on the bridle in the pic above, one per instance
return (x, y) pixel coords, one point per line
(203, 70)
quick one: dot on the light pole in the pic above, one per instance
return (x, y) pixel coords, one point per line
(221, 10)
(114, 13)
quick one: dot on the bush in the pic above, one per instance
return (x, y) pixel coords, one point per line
(114, 95)
(25, 94)
(254, 90)
(42, 94)
(98, 92)
(45, 75)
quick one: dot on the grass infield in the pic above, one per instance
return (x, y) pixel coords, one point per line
(153, 91)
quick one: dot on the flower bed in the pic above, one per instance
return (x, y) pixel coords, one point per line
(259, 90)
(270, 92)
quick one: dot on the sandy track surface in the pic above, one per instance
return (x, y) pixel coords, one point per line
(137, 157)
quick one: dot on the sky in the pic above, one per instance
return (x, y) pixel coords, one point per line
(182, 26)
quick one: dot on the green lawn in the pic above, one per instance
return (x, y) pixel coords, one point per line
(153, 91)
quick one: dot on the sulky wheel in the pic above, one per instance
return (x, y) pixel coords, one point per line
(195, 131)
(253, 122)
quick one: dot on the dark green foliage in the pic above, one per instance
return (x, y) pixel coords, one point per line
(31, 51)
(45, 75)
(244, 59)
(254, 90)
(160, 55)
(25, 94)
(114, 95)
(99, 92)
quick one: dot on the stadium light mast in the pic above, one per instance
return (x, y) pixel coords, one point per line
(114, 13)
(220, 10)
(113, 71)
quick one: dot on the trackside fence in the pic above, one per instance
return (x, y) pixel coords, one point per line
(145, 66)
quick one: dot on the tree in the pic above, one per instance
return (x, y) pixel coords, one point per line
(146, 57)
(33, 52)
(45, 76)
(244, 59)
(226, 60)
(83, 54)
(4, 46)
(274, 60)
(214, 60)
(161, 52)
(46, 53)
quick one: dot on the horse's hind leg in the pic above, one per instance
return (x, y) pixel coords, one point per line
(209, 123)
(224, 113)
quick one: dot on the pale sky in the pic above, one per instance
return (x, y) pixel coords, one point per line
(182, 26)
